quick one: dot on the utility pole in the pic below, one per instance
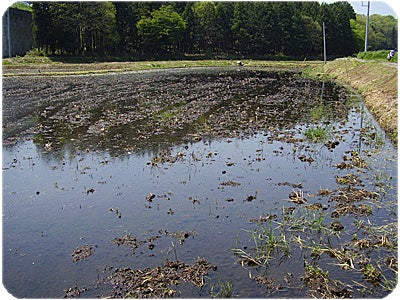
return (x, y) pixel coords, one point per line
(323, 30)
(366, 25)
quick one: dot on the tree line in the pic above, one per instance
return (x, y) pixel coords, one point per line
(170, 29)
(382, 32)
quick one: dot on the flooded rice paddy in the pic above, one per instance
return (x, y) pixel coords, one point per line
(225, 182)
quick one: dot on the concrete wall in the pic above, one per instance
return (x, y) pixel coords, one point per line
(17, 32)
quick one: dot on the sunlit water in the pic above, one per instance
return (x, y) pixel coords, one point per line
(55, 202)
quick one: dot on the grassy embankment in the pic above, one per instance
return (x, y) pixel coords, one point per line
(57, 68)
(375, 81)
(380, 55)
(41, 65)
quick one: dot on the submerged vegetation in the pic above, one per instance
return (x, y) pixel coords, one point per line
(321, 112)
(318, 235)
(222, 290)
(321, 231)
(157, 282)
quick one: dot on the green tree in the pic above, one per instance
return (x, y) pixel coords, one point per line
(245, 28)
(162, 31)
(339, 36)
(358, 29)
(311, 9)
(224, 12)
(310, 38)
(127, 16)
(65, 27)
(344, 38)
(75, 27)
(43, 31)
(22, 6)
(292, 28)
(189, 36)
(241, 28)
(205, 14)
(382, 32)
(255, 28)
(97, 27)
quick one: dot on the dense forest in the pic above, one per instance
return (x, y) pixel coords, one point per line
(172, 29)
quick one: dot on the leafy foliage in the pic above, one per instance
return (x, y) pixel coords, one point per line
(162, 30)
(22, 6)
(256, 29)
(382, 32)
(75, 27)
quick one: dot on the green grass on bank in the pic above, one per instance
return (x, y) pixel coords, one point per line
(380, 55)
(35, 63)
(374, 80)
(39, 55)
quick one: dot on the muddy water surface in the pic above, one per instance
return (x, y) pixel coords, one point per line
(110, 175)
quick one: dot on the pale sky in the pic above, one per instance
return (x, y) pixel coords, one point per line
(389, 7)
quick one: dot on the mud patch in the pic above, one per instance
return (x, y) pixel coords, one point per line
(151, 111)
(82, 252)
(157, 282)
(345, 202)
(129, 241)
(74, 292)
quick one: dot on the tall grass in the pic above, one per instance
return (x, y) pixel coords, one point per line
(380, 55)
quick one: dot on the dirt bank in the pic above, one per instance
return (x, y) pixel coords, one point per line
(376, 82)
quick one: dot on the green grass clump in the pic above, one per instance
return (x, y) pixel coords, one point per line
(223, 291)
(380, 55)
(317, 134)
(320, 112)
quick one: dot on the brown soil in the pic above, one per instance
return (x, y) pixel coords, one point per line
(145, 110)
(157, 282)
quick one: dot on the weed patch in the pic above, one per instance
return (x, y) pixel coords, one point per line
(318, 232)
(317, 134)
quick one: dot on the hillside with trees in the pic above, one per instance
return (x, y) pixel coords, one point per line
(213, 29)
(382, 32)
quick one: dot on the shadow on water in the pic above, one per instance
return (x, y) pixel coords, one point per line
(224, 182)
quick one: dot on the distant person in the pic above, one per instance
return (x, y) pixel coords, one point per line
(390, 55)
